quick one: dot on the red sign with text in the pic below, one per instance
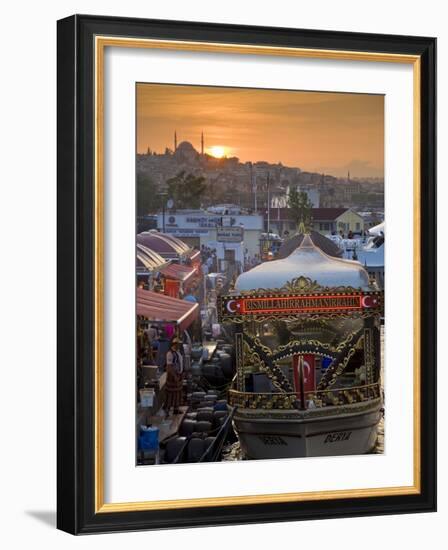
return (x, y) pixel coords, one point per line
(280, 305)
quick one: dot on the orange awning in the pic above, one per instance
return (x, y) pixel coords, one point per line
(178, 272)
(160, 308)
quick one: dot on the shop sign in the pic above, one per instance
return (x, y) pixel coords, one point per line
(230, 234)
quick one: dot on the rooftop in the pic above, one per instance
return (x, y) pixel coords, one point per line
(326, 245)
(318, 214)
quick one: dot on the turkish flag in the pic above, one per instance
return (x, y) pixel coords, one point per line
(309, 372)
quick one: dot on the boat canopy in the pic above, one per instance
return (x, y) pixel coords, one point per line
(306, 261)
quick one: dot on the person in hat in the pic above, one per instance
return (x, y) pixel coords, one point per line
(174, 379)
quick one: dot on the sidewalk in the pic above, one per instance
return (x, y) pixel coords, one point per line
(168, 426)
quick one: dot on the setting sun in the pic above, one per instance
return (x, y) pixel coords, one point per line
(217, 151)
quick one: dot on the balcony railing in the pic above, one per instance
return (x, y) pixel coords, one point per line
(314, 399)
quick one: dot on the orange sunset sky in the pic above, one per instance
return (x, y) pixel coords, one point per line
(315, 131)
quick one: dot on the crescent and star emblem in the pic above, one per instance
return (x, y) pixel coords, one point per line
(369, 301)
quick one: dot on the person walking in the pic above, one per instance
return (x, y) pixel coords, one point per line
(174, 380)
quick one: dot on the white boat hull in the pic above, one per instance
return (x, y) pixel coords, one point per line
(329, 431)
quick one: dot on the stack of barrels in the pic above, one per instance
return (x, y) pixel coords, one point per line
(201, 426)
(199, 429)
(219, 370)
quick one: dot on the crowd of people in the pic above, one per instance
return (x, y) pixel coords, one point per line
(251, 261)
(209, 260)
(351, 235)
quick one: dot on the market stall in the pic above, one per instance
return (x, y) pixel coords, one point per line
(167, 317)
(148, 265)
(178, 279)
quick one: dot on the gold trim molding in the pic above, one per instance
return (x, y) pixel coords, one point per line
(101, 42)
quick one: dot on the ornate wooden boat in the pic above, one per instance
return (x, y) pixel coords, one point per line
(307, 345)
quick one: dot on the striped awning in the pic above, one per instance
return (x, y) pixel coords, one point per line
(166, 245)
(149, 260)
(160, 308)
(178, 272)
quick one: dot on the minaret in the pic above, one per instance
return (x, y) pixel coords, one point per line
(348, 176)
(202, 143)
(175, 141)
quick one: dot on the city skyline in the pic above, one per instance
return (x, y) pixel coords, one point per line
(326, 132)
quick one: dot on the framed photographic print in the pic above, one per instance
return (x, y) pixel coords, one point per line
(246, 274)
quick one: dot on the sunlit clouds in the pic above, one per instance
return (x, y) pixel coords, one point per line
(324, 132)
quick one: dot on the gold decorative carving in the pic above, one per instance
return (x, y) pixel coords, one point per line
(301, 285)
(303, 315)
(320, 398)
(262, 355)
(239, 352)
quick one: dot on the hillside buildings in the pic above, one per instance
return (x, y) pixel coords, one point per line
(327, 221)
(252, 184)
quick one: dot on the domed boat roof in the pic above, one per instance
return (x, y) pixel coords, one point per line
(306, 261)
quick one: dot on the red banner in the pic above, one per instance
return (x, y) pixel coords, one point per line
(172, 288)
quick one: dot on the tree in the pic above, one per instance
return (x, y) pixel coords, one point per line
(186, 190)
(301, 208)
(148, 197)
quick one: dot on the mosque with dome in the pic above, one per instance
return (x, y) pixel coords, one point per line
(184, 152)
(223, 171)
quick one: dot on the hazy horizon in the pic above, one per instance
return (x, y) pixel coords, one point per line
(323, 132)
